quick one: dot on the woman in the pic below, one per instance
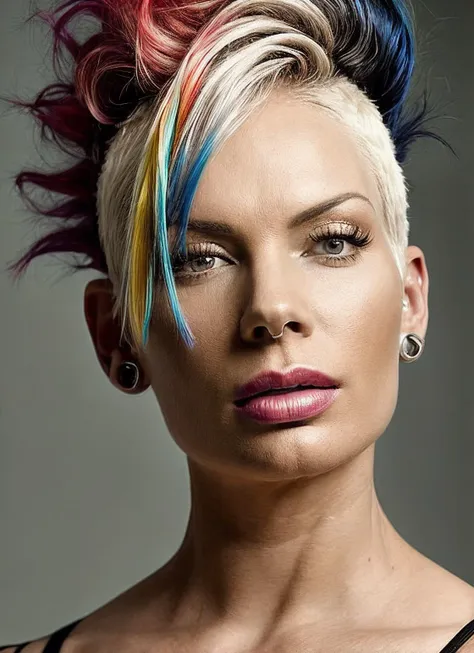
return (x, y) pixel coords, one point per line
(238, 181)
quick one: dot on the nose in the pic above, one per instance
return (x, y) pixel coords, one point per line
(276, 296)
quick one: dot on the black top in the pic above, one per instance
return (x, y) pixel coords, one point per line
(56, 640)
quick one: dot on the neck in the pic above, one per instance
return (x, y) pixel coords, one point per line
(286, 553)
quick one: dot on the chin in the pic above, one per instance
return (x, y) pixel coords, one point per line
(288, 451)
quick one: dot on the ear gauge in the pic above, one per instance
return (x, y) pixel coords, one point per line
(128, 375)
(411, 347)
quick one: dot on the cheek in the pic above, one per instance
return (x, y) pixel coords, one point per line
(211, 309)
(368, 320)
(371, 318)
(184, 380)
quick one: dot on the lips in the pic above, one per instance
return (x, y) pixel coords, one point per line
(274, 381)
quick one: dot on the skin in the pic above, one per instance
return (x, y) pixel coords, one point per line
(303, 556)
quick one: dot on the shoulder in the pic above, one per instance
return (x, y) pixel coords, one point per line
(94, 631)
(35, 646)
(55, 639)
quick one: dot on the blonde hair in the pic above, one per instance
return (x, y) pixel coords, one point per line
(257, 46)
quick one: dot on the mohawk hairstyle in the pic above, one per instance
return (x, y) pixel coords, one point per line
(153, 58)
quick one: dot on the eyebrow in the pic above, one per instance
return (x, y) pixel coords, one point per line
(204, 227)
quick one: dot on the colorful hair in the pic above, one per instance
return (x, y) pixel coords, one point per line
(162, 84)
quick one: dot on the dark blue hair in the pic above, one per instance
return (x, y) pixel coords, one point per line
(375, 48)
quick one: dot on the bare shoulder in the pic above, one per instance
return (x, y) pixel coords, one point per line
(446, 600)
(122, 624)
(111, 627)
(446, 597)
(35, 646)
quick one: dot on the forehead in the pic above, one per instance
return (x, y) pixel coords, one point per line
(285, 156)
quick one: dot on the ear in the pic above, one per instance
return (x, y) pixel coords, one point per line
(416, 285)
(105, 333)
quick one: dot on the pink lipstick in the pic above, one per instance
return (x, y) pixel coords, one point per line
(277, 397)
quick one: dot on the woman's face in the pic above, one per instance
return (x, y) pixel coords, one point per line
(343, 303)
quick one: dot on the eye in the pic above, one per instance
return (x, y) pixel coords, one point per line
(201, 263)
(334, 245)
(198, 261)
(336, 237)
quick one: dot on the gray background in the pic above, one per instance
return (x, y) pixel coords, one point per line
(93, 492)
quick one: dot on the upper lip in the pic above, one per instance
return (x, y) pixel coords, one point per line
(273, 380)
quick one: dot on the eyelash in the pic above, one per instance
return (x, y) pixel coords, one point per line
(346, 232)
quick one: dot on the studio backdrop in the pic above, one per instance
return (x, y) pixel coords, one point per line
(93, 491)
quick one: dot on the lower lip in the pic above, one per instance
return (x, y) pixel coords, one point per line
(289, 407)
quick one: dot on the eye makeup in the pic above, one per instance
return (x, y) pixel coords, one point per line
(345, 233)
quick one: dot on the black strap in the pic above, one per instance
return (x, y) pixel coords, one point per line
(55, 641)
(460, 638)
(57, 638)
